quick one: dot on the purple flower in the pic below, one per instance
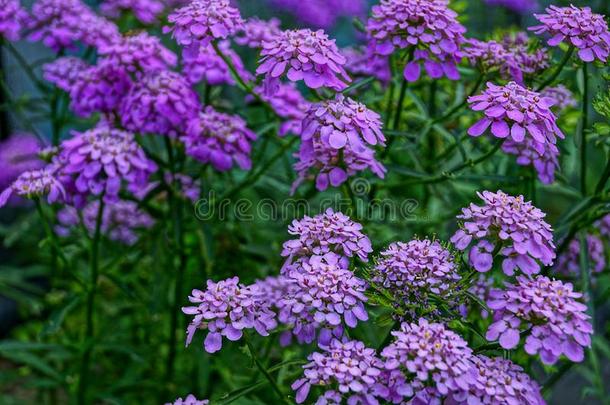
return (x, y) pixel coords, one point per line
(34, 184)
(186, 187)
(189, 400)
(604, 226)
(515, 111)
(578, 27)
(412, 270)
(558, 322)
(568, 263)
(147, 11)
(325, 295)
(429, 29)
(322, 13)
(64, 72)
(18, 153)
(302, 55)
(206, 65)
(427, 354)
(490, 55)
(219, 139)
(255, 32)
(202, 21)
(360, 62)
(347, 366)
(328, 232)
(562, 97)
(518, 6)
(99, 88)
(97, 161)
(480, 288)
(120, 220)
(13, 18)
(289, 104)
(159, 103)
(500, 381)
(527, 153)
(527, 56)
(138, 53)
(512, 227)
(226, 309)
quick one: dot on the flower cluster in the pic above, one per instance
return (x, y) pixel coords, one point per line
(159, 103)
(328, 232)
(515, 111)
(97, 161)
(348, 366)
(480, 288)
(189, 400)
(206, 65)
(428, 29)
(528, 154)
(415, 269)
(19, 153)
(562, 97)
(526, 55)
(322, 13)
(225, 309)
(147, 11)
(578, 27)
(33, 184)
(202, 21)
(64, 72)
(289, 104)
(512, 227)
(13, 18)
(568, 263)
(219, 139)
(560, 324)
(302, 55)
(255, 32)
(361, 63)
(120, 220)
(424, 353)
(138, 53)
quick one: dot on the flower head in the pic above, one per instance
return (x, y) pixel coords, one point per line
(518, 6)
(568, 263)
(99, 160)
(206, 65)
(13, 18)
(429, 29)
(578, 27)
(527, 153)
(147, 11)
(347, 365)
(302, 55)
(289, 104)
(219, 139)
(255, 32)
(527, 56)
(324, 233)
(159, 103)
(226, 308)
(360, 62)
(138, 53)
(33, 184)
(18, 153)
(509, 224)
(562, 97)
(560, 324)
(515, 111)
(64, 72)
(189, 400)
(322, 13)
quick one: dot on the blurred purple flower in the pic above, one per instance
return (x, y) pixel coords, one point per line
(34, 184)
(206, 65)
(560, 324)
(361, 63)
(18, 153)
(528, 57)
(64, 72)
(255, 32)
(138, 53)
(189, 400)
(568, 263)
(147, 11)
(289, 104)
(518, 6)
(13, 19)
(322, 13)
(429, 29)
(562, 97)
(510, 226)
(527, 153)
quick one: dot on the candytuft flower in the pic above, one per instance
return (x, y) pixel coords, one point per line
(527, 153)
(562, 97)
(227, 308)
(428, 29)
(34, 184)
(302, 55)
(18, 153)
(568, 263)
(64, 72)
(206, 65)
(219, 139)
(138, 53)
(189, 400)
(578, 27)
(13, 18)
(560, 324)
(255, 32)
(512, 227)
(147, 11)
(289, 104)
(360, 62)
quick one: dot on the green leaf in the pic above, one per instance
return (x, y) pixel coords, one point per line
(57, 317)
(33, 361)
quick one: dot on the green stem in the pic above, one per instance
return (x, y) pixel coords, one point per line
(52, 236)
(557, 71)
(582, 134)
(90, 327)
(461, 105)
(604, 178)
(264, 371)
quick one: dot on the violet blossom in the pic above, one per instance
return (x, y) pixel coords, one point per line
(18, 153)
(146, 11)
(360, 62)
(255, 32)
(13, 18)
(207, 66)
(189, 400)
(562, 97)
(568, 263)
(322, 13)
(289, 104)
(35, 184)
(138, 53)
(518, 6)
(528, 154)
(64, 72)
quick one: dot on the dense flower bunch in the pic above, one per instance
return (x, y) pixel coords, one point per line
(559, 324)
(490, 55)
(147, 11)
(189, 400)
(18, 153)
(361, 63)
(515, 111)
(429, 29)
(219, 139)
(525, 54)
(13, 18)
(98, 88)
(348, 367)
(35, 183)
(414, 269)
(255, 32)
(206, 65)
(322, 13)
(519, 6)
(562, 97)
(159, 103)
(226, 308)
(427, 353)
(578, 27)
(203, 21)
(64, 72)
(480, 288)
(500, 381)
(328, 232)
(120, 222)
(289, 104)
(512, 227)
(568, 263)
(138, 53)
(99, 160)
(302, 55)
(527, 154)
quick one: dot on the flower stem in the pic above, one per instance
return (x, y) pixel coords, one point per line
(582, 134)
(558, 70)
(264, 371)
